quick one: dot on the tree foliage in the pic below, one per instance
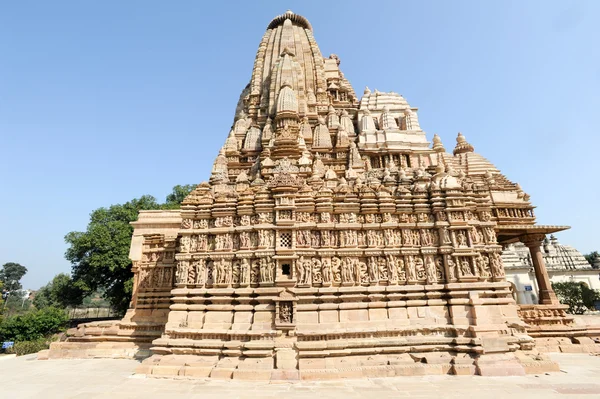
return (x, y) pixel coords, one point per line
(100, 255)
(33, 325)
(177, 196)
(577, 295)
(61, 292)
(11, 275)
(591, 257)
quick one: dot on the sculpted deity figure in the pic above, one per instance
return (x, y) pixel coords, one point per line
(316, 267)
(451, 268)
(325, 238)
(372, 269)
(426, 237)
(347, 270)
(244, 272)
(182, 272)
(300, 239)
(480, 266)
(270, 271)
(407, 237)
(200, 271)
(184, 244)
(326, 270)
(336, 270)
(420, 268)
(439, 265)
(465, 268)
(431, 270)
(325, 217)
(307, 272)
(400, 268)
(491, 234)
(391, 266)
(361, 268)
(383, 271)
(300, 271)
(461, 238)
(446, 236)
(255, 272)
(263, 271)
(496, 263)
(193, 243)
(388, 236)
(412, 272)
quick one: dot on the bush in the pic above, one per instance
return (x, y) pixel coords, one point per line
(33, 325)
(27, 347)
(577, 295)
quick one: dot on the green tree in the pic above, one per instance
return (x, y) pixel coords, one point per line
(61, 292)
(11, 275)
(178, 195)
(577, 295)
(100, 255)
(591, 257)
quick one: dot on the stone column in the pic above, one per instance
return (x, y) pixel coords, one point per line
(546, 294)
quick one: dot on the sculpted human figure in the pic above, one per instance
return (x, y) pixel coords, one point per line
(184, 244)
(431, 270)
(317, 278)
(347, 270)
(314, 239)
(270, 271)
(451, 268)
(407, 237)
(361, 267)
(300, 238)
(461, 238)
(325, 238)
(182, 272)
(439, 265)
(420, 268)
(465, 268)
(335, 267)
(383, 271)
(307, 272)
(481, 266)
(372, 269)
(300, 270)
(391, 265)
(412, 272)
(400, 268)
(326, 267)
(496, 263)
(244, 271)
(255, 272)
(264, 278)
(425, 237)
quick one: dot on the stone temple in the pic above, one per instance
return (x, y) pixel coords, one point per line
(332, 240)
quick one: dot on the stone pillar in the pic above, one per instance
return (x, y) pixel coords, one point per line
(546, 294)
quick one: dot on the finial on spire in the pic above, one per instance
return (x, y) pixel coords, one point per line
(437, 144)
(462, 146)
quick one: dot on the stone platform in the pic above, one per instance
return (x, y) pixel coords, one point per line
(24, 377)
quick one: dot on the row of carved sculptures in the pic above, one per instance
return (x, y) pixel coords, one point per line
(351, 270)
(327, 217)
(348, 238)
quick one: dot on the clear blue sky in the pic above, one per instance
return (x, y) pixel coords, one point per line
(104, 101)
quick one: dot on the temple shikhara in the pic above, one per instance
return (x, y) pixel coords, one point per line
(333, 239)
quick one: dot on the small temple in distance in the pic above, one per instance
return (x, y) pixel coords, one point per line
(333, 240)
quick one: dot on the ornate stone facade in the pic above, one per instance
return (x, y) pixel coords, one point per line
(333, 240)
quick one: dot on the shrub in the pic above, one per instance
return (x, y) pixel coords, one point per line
(27, 347)
(577, 295)
(33, 325)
